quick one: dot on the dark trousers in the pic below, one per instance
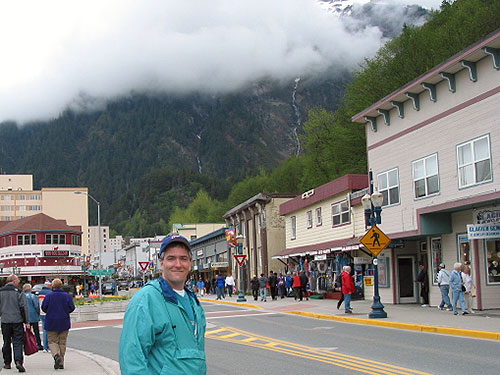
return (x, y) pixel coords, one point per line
(274, 292)
(255, 294)
(305, 293)
(13, 335)
(36, 329)
(298, 292)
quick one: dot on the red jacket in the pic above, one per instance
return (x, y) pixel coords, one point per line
(347, 283)
(296, 282)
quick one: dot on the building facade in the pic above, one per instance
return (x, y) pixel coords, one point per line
(192, 231)
(432, 146)
(93, 239)
(323, 228)
(40, 247)
(212, 255)
(258, 220)
(18, 200)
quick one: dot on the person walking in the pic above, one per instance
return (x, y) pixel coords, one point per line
(424, 285)
(14, 314)
(297, 287)
(443, 281)
(304, 280)
(466, 277)
(281, 286)
(254, 284)
(200, 285)
(230, 284)
(208, 286)
(58, 305)
(34, 312)
(273, 285)
(457, 288)
(339, 285)
(46, 289)
(221, 285)
(164, 325)
(289, 284)
(347, 288)
(263, 287)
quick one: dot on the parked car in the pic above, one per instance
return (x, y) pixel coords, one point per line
(123, 285)
(107, 288)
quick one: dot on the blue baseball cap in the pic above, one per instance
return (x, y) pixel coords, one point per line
(174, 238)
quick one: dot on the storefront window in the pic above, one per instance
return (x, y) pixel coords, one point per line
(463, 249)
(436, 257)
(492, 248)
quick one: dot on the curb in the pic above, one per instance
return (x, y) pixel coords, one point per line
(108, 365)
(406, 326)
(232, 303)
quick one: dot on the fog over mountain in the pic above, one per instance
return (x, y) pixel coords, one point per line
(81, 53)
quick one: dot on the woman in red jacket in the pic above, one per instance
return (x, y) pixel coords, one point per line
(297, 286)
(347, 288)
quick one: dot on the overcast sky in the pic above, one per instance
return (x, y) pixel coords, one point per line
(54, 52)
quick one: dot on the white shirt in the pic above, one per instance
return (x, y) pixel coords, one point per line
(443, 277)
(229, 280)
(467, 282)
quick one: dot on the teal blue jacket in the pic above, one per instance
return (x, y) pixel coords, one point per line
(157, 335)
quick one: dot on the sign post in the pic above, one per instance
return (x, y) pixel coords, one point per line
(375, 241)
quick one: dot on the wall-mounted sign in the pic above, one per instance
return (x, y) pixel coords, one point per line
(320, 257)
(476, 231)
(220, 264)
(199, 253)
(56, 253)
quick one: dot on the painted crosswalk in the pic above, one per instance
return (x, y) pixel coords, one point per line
(324, 355)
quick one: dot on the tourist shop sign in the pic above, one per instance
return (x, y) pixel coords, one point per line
(482, 231)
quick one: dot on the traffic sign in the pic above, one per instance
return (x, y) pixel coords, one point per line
(144, 265)
(375, 240)
(240, 259)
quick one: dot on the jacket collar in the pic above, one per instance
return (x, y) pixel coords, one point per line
(10, 286)
(170, 295)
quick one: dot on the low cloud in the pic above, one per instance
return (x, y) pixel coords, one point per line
(56, 53)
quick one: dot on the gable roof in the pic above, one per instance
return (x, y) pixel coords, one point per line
(38, 222)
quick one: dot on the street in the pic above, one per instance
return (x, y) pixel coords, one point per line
(242, 340)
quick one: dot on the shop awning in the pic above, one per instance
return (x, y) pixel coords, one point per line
(346, 244)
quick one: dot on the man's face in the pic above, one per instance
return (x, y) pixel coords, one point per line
(176, 265)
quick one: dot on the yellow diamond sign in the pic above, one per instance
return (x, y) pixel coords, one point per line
(375, 240)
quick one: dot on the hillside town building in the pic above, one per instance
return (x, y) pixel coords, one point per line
(432, 146)
(18, 200)
(39, 247)
(258, 220)
(323, 228)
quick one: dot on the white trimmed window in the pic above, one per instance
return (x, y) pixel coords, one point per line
(340, 213)
(319, 219)
(388, 186)
(474, 162)
(293, 221)
(309, 216)
(426, 176)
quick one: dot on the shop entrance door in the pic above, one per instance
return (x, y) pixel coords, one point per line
(406, 279)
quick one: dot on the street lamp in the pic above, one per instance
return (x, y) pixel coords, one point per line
(372, 205)
(99, 235)
(241, 296)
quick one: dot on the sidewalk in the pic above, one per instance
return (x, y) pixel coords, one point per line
(482, 324)
(76, 362)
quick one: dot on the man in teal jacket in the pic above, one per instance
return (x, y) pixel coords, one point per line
(164, 326)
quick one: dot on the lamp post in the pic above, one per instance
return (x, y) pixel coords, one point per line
(241, 296)
(99, 235)
(372, 204)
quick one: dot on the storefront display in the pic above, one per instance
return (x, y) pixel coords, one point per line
(492, 248)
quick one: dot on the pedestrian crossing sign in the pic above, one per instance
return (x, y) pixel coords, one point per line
(375, 240)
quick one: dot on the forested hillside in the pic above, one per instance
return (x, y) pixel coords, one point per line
(333, 145)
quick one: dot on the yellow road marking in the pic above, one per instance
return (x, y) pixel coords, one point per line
(302, 351)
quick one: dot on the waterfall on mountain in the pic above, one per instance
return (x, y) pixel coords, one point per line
(298, 118)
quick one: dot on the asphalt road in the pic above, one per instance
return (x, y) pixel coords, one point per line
(246, 341)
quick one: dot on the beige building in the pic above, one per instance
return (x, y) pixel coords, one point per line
(258, 220)
(93, 238)
(433, 146)
(18, 200)
(197, 230)
(323, 229)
